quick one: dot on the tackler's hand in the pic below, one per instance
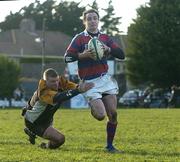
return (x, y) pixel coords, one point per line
(83, 87)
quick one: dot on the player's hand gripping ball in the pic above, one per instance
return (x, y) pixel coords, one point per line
(97, 48)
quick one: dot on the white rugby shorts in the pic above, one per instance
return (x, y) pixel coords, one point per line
(104, 84)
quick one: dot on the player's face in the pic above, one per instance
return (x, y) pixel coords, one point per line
(91, 22)
(52, 82)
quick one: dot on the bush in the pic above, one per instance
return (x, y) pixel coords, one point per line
(9, 76)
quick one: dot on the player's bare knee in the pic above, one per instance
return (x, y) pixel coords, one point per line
(100, 117)
(60, 141)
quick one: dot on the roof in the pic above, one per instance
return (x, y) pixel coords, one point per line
(17, 42)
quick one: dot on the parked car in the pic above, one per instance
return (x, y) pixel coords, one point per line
(158, 98)
(131, 98)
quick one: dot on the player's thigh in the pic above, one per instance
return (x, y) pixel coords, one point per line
(53, 134)
(97, 109)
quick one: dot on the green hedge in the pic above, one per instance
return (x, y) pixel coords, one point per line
(38, 59)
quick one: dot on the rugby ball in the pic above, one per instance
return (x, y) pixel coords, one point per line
(97, 47)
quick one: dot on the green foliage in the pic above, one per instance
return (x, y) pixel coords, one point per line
(95, 5)
(64, 17)
(143, 135)
(38, 59)
(110, 23)
(153, 44)
(12, 21)
(67, 18)
(9, 78)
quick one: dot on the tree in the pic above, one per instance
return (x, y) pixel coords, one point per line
(67, 18)
(12, 21)
(59, 17)
(9, 80)
(110, 23)
(153, 44)
(94, 5)
(64, 17)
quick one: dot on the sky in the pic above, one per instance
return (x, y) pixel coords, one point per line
(126, 9)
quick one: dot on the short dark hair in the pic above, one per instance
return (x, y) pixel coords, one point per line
(50, 72)
(89, 11)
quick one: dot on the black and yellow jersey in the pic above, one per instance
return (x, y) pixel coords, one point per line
(46, 101)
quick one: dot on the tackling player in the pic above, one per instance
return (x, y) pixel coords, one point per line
(52, 91)
(102, 97)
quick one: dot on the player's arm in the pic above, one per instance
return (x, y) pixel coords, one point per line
(63, 96)
(71, 57)
(73, 51)
(87, 53)
(114, 50)
(117, 53)
(53, 97)
(66, 95)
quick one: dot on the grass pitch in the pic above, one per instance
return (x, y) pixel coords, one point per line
(143, 135)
